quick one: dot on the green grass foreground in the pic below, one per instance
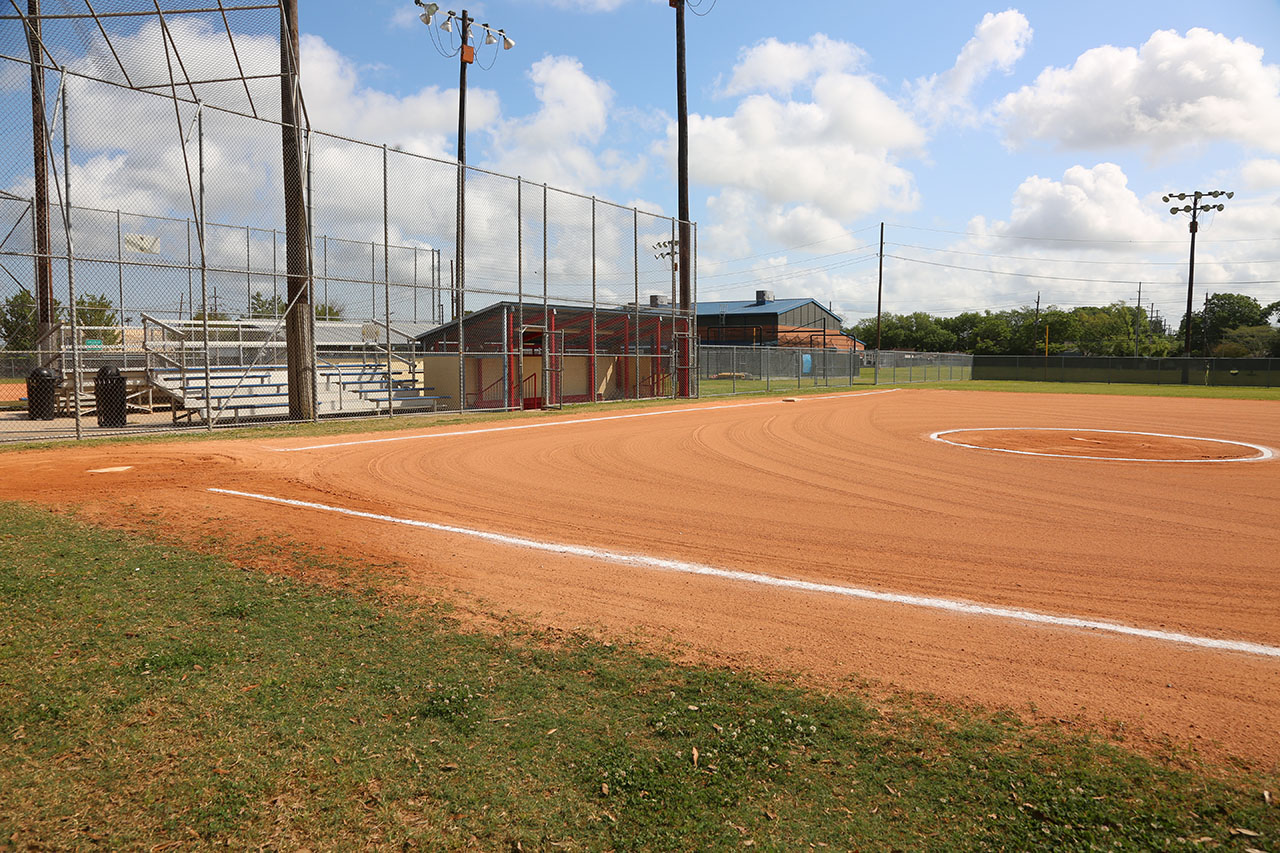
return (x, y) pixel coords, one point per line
(153, 699)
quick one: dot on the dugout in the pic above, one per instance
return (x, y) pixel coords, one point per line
(533, 355)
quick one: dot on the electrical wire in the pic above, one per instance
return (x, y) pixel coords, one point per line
(1070, 278)
(1075, 260)
(1075, 239)
(788, 263)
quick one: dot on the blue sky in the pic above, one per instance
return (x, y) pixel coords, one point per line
(1010, 150)
(1006, 122)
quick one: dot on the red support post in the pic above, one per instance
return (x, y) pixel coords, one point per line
(591, 371)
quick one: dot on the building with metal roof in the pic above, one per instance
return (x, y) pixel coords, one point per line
(766, 321)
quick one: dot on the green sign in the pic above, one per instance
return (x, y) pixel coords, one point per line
(93, 343)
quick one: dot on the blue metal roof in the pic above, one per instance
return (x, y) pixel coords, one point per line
(775, 306)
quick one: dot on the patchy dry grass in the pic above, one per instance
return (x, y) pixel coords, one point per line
(151, 698)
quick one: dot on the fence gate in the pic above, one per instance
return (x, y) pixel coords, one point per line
(541, 383)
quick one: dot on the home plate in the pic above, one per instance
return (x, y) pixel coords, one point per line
(110, 470)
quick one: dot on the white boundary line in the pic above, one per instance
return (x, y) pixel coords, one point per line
(545, 424)
(659, 563)
(1263, 452)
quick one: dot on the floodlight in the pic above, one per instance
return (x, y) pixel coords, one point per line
(1165, 199)
(507, 42)
(1222, 207)
(447, 26)
(1230, 195)
(489, 37)
(428, 11)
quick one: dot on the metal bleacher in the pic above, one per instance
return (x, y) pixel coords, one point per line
(238, 393)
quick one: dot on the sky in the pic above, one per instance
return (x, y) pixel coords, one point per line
(1034, 139)
(1010, 151)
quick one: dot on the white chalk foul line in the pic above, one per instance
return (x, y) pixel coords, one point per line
(681, 566)
(1263, 452)
(574, 422)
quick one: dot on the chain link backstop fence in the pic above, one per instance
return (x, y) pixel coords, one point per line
(179, 248)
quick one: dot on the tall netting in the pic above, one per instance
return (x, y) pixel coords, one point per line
(228, 263)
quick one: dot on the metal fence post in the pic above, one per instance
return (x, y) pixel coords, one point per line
(314, 360)
(386, 281)
(204, 275)
(124, 347)
(635, 248)
(71, 270)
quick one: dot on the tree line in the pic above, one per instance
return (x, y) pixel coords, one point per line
(1230, 325)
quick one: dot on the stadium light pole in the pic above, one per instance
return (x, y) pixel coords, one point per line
(1194, 209)
(466, 54)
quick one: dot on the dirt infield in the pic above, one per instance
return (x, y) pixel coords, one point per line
(847, 491)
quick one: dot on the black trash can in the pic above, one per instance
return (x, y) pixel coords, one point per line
(109, 397)
(42, 393)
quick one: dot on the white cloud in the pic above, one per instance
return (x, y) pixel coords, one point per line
(557, 144)
(1087, 204)
(1088, 239)
(787, 167)
(1261, 174)
(778, 67)
(424, 122)
(1174, 90)
(998, 42)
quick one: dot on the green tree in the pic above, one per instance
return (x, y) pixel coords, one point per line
(97, 319)
(918, 331)
(1248, 342)
(328, 311)
(1104, 331)
(18, 321)
(1225, 311)
(261, 305)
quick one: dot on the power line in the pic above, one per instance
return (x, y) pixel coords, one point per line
(788, 263)
(1074, 260)
(800, 246)
(1077, 239)
(1068, 278)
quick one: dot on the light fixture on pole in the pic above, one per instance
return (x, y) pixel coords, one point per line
(1195, 208)
(466, 53)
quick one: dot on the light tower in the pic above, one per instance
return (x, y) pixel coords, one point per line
(1194, 209)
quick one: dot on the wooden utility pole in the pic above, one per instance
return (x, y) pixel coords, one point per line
(299, 342)
(879, 292)
(685, 241)
(1137, 319)
(45, 318)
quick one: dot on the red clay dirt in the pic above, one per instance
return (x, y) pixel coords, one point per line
(846, 490)
(1096, 444)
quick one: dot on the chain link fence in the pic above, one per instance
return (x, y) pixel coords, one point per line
(173, 254)
(749, 370)
(1253, 372)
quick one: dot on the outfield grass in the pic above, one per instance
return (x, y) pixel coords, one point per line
(1214, 392)
(152, 699)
